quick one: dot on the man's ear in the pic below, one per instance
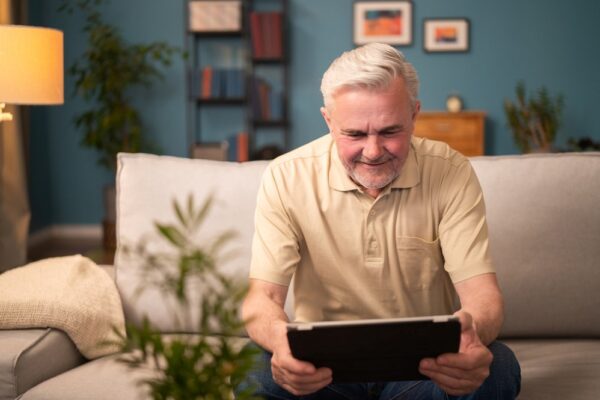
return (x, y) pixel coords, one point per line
(326, 117)
(416, 110)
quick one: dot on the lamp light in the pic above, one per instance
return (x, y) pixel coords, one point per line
(31, 66)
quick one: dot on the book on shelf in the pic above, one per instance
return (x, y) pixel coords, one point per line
(266, 31)
(238, 147)
(216, 151)
(207, 80)
(218, 83)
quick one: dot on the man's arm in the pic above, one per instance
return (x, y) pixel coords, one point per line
(481, 316)
(263, 313)
(266, 320)
(480, 296)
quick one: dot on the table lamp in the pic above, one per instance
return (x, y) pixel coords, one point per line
(31, 66)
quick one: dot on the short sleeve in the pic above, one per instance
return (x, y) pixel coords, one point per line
(275, 245)
(463, 227)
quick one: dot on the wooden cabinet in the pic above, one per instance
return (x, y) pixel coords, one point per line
(463, 131)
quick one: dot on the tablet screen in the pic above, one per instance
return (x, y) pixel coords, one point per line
(374, 350)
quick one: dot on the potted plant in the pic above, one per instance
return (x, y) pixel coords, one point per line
(534, 121)
(104, 76)
(207, 365)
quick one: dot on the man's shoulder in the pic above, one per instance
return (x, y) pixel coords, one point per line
(312, 153)
(435, 152)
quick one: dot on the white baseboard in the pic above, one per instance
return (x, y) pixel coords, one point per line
(65, 232)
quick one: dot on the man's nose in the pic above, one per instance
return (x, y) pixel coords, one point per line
(373, 148)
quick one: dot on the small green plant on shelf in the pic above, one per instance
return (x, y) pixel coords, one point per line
(535, 121)
(207, 365)
(105, 75)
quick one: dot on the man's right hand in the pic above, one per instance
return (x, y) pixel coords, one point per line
(297, 377)
(266, 325)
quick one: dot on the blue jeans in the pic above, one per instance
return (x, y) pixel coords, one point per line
(504, 382)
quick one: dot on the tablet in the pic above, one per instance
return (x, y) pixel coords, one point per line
(374, 350)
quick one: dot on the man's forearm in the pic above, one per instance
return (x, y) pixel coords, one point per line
(265, 319)
(481, 297)
(488, 321)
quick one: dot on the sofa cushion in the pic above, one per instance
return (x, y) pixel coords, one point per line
(146, 188)
(101, 379)
(558, 369)
(544, 223)
(30, 356)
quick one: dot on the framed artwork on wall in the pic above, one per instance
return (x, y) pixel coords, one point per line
(215, 15)
(446, 35)
(383, 21)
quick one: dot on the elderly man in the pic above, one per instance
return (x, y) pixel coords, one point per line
(375, 223)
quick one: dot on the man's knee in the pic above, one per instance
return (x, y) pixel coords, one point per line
(505, 371)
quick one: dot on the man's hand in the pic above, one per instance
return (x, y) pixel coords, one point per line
(463, 372)
(266, 324)
(297, 377)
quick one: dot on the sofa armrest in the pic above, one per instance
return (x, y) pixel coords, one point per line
(31, 356)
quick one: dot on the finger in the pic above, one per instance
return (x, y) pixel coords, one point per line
(474, 358)
(287, 362)
(476, 375)
(466, 320)
(302, 390)
(303, 384)
(452, 385)
(319, 376)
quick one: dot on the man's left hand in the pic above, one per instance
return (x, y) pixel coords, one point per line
(463, 372)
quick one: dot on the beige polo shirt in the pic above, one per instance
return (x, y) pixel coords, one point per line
(357, 257)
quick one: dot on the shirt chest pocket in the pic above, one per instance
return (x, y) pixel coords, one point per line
(421, 264)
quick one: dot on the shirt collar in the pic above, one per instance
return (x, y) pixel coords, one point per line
(339, 179)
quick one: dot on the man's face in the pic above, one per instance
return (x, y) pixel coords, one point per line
(372, 131)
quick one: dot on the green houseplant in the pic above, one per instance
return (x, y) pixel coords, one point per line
(192, 366)
(535, 121)
(105, 75)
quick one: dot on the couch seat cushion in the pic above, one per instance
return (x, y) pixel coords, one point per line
(558, 369)
(101, 379)
(30, 356)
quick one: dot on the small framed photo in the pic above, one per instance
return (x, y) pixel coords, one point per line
(383, 21)
(446, 35)
(215, 15)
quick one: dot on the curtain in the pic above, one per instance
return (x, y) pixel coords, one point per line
(14, 203)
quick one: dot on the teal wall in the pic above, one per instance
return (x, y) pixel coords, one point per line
(543, 42)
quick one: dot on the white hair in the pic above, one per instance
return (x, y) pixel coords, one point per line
(372, 66)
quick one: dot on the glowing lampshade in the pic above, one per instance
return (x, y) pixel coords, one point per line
(31, 65)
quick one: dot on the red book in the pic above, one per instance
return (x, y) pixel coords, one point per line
(277, 35)
(256, 35)
(207, 73)
(243, 153)
(268, 33)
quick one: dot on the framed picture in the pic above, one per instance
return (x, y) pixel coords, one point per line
(446, 35)
(215, 16)
(383, 21)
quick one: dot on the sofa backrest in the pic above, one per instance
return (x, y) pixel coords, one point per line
(543, 213)
(146, 187)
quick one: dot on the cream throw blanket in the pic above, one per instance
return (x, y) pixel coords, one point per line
(69, 293)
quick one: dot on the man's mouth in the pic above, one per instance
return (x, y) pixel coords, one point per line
(373, 163)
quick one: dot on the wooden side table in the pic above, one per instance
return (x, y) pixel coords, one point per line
(463, 131)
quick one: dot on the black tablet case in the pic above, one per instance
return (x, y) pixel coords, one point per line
(389, 351)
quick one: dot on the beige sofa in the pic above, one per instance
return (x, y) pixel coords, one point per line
(544, 219)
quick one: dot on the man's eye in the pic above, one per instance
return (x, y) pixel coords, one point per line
(390, 133)
(355, 135)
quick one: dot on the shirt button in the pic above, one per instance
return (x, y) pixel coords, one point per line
(373, 212)
(374, 245)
